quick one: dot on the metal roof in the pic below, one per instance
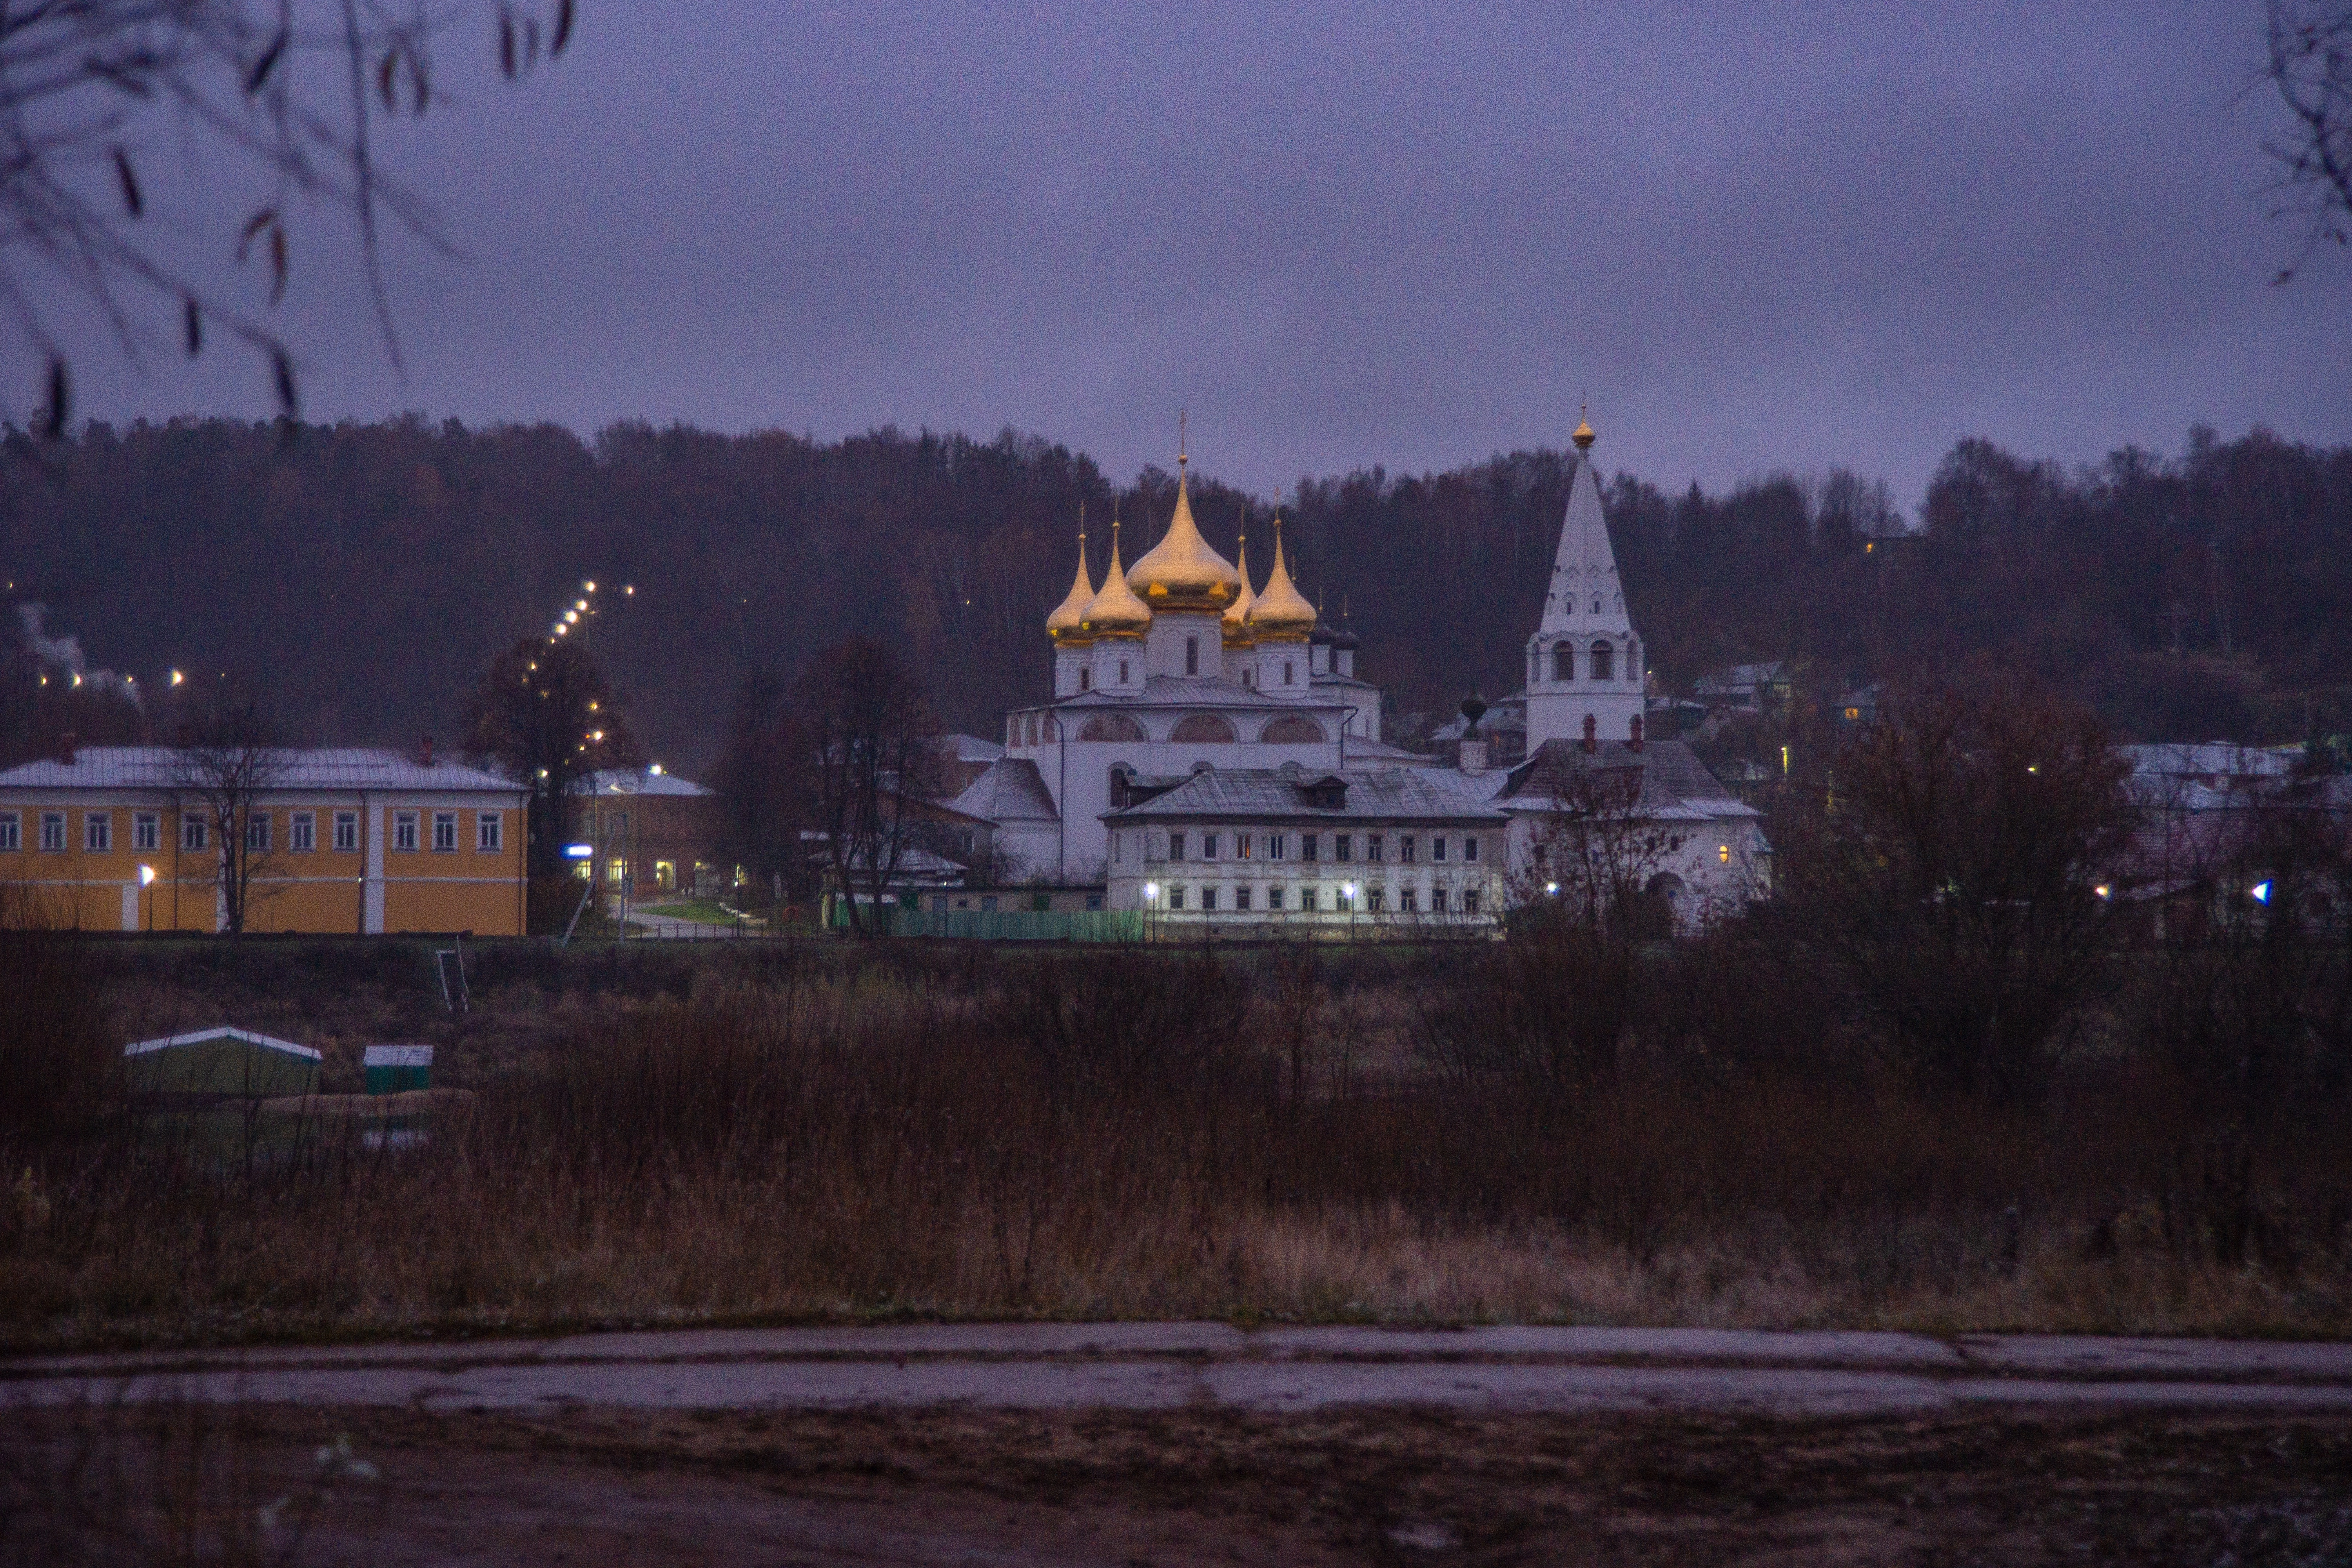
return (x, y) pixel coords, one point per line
(636, 781)
(2222, 757)
(295, 768)
(966, 747)
(222, 1032)
(1380, 794)
(1012, 790)
(1674, 784)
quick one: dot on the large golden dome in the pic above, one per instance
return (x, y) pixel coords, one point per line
(1235, 626)
(1067, 623)
(1181, 572)
(1282, 613)
(1116, 611)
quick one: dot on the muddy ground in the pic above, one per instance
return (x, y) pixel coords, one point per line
(1368, 1486)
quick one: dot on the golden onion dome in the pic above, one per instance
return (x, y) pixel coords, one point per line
(1282, 613)
(1116, 611)
(1181, 572)
(1236, 622)
(1067, 623)
(1583, 436)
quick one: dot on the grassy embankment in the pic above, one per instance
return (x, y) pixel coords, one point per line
(804, 1131)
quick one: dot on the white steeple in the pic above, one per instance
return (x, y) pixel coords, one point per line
(1584, 661)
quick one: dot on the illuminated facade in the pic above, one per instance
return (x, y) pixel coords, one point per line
(336, 840)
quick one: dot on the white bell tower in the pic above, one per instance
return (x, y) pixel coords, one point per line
(1584, 663)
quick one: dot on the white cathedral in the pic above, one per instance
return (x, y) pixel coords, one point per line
(1210, 755)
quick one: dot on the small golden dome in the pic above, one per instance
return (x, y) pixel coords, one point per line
(1583, 436)
(1067, 623)
(1116, 611)
(1236, 625)
(1282, 613)
(1181, 572)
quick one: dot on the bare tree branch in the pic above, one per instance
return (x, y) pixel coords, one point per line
(2311, 65)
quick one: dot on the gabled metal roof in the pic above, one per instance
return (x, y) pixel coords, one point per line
(1380, 794)
(297, 768)
(1012, 790)
(1673, 784)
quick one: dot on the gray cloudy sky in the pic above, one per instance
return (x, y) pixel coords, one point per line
(1757, 236)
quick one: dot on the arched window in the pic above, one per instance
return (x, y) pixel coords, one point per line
(1191, 656)
(1122, 672)
(1286, 672)
(1202, 728)
(1602, 655)
(1596, 603)
(1111, 727)
(1563, 662)
(1290, 730)
(1632, 661)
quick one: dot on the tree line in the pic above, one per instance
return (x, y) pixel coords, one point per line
(366, 576)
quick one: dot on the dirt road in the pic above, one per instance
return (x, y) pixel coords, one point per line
(1146, 1443)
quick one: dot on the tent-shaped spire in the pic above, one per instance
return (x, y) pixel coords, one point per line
(1584, 595)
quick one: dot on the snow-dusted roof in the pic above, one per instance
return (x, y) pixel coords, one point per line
(636, 781)
(1381, 794)
(223, 1032)
(966, 747)
(1674, 784)
(295, 768)
(2222, 757)
(1012, 790)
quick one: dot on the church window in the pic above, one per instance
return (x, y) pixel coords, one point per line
(1601, 656)
(1208, 898)
(1176, 847)
(1285, 671)
(1470, 847)
(1241, 898)
(1086, 678)
(1343, 847)
(1122, 672)
(1203, 729)
(1291, 728)
(1405, 848)
(1275, 844)
(1596, 603)
(1563, 662)
(1175, 898)
(1191, 656)
(1249, 676)
(1309, 843)
(1208, 847)
(1273, 898)
(1375, 846)
(1110, 727)
(1437, 847)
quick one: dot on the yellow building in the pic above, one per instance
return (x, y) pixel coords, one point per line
(342, 839)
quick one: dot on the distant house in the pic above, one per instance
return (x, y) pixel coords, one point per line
(1747, 688)
(2211, 776)
(1858, 709)
(649, 833)
(337, 839)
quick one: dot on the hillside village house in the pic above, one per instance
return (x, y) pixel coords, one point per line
(338, 840)
(650, 834)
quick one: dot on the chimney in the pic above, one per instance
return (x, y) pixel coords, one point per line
(1591, 726)
(1634, 745)
(425, 753)
(66, 749)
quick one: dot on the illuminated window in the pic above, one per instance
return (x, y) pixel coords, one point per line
(616, 871)
(97, 832)
(1723, 853)
(302, 832)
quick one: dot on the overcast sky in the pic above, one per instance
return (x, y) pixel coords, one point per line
(1756, 237)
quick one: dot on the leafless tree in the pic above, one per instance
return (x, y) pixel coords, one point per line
(869, 738)
(1592, 855)
(2311, 65)
(294, 90)
(226, 763)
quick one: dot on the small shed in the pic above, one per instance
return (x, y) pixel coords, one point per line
(396, 1070)
(223, 1062)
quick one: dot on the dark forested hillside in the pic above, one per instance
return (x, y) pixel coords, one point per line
(364, 575)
